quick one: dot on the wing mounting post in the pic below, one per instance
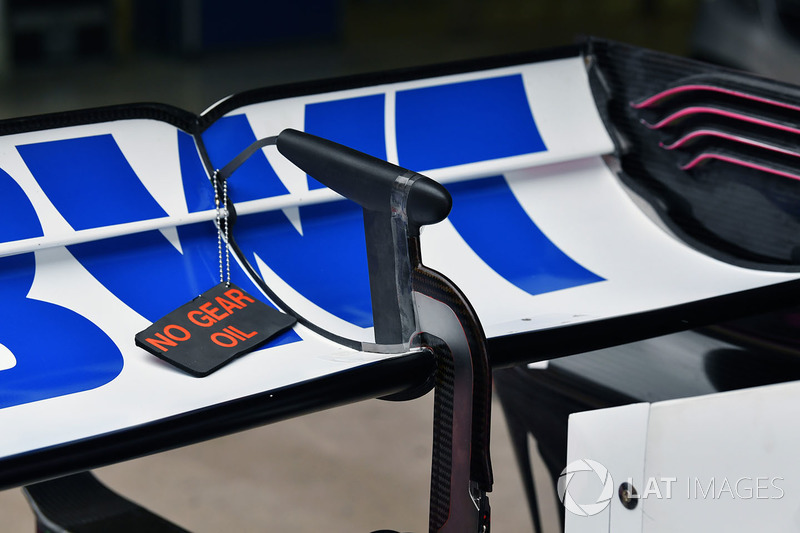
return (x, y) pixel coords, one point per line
(408, 298)
(414, 304)
(396, 202)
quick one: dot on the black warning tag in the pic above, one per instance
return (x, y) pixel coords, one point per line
(213, 329)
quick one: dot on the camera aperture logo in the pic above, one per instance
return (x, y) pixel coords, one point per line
(591, 494)
(585, 467)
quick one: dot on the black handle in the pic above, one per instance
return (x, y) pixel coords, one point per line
(366, 180)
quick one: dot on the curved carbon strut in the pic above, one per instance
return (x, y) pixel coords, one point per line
(461, 472)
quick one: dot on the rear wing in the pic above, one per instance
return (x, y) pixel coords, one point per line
(573, 227)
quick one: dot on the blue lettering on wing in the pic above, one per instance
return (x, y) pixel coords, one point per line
(56, 350)
(490, 219)
(327, 264)
(90, 182)
(19, 210)
(355, 122)
(466, 122)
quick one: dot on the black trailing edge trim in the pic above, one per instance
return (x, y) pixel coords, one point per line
(562, 341)
(175, 116)
(361, 383)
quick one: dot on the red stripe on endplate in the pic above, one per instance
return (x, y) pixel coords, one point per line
(699, 110)
(652, 100)
(733, 160)
(727, 136)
